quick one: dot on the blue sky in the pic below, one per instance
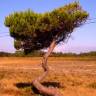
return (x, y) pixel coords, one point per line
(83, 39)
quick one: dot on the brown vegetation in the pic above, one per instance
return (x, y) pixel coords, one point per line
(71, 76)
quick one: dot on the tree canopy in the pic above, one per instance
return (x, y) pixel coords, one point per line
(35, 31)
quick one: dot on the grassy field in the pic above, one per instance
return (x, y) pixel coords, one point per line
(73, 76)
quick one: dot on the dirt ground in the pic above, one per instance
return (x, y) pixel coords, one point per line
(72, 76)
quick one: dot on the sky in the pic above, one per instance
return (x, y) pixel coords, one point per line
(83, 39)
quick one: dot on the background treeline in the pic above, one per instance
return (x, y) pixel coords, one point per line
(40, 53)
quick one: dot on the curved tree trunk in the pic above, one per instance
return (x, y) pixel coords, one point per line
(36, 83)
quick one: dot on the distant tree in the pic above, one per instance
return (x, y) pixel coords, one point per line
(4, 54)
(33, 31)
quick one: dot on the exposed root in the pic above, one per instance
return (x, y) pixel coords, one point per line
(45, 90)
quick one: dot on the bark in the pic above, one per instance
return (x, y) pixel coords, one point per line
(46, 91)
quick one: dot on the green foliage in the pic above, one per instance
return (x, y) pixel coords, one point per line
(2, 54)
(41, 53)
(36, 31)
(92, 53)
(17, 44)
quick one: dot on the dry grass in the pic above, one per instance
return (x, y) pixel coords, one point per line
(72, 76)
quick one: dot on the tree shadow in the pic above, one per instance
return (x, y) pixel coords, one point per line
(52, 84)
(33, 89)
(23, 85)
